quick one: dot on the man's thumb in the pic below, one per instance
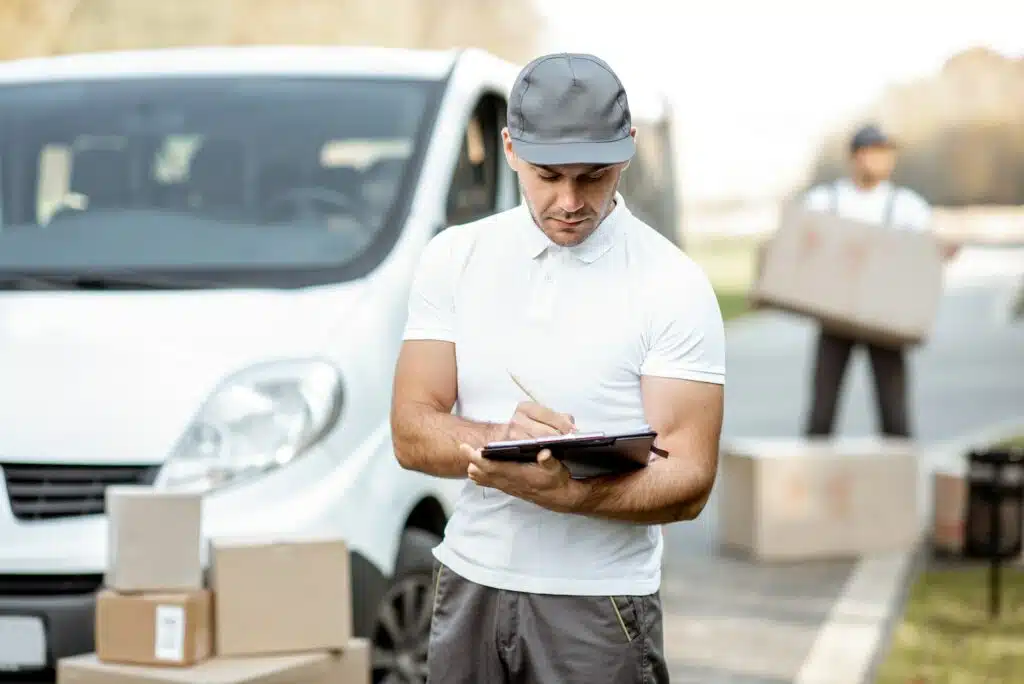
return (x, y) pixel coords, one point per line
(546, 460)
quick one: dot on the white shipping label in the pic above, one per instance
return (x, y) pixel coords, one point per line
(170, 633)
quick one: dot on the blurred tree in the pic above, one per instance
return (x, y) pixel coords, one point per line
(962, 132)
(507, 28)
(29, 28)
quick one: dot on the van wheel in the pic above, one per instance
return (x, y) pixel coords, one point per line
(402, 631)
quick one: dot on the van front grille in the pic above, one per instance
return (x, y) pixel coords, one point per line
(49, 585)
(45, 492)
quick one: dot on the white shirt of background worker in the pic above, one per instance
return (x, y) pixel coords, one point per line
(543, 578)
(867, 198)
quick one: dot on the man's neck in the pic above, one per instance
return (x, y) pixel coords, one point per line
(866, 184)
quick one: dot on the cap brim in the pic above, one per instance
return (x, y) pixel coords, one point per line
(553, 154)
(890, 143)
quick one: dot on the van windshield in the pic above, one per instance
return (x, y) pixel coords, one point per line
(242, 181)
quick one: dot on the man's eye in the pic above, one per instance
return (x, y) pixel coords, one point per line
(547, 178)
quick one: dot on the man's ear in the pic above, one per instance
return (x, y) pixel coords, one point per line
(510, 155)
(632, 133)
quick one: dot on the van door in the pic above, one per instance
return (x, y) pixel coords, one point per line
(482, 182)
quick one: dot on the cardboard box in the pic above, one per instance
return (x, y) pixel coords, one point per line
(153, 540)
(281, 596)
(867, 281)
(354, 665)
(949, 512)
(303, 668)
(154, 629)
(803, 499)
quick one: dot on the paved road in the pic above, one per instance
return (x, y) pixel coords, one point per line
(732, 621)
(728, 621)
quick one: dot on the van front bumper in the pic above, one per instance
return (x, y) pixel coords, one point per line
(67, 620)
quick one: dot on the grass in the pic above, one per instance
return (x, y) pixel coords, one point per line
(946, 637)
(1015, 441)
(729, 263)
(733, 304)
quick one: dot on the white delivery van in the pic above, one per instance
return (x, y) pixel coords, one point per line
(205, 259)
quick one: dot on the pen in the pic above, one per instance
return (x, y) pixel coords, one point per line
(530, 394)
(521, 386)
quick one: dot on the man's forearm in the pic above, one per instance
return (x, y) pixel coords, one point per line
(427, 440)
(663, 492)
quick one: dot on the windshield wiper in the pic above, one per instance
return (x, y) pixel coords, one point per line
(100, 281)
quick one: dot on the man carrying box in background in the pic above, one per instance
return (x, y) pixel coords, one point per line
(868, 195)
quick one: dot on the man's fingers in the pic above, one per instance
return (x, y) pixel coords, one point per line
(524, 427)
(476, 459)
(560, 423)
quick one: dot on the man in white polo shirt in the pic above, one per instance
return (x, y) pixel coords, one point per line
(867, 195)
(542, 578)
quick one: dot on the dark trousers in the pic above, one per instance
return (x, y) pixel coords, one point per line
(889, 368)
(480, 635)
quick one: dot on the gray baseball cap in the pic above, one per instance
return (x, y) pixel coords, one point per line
(570, 109)
(870, 135)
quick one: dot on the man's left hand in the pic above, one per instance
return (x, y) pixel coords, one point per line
(546, 483)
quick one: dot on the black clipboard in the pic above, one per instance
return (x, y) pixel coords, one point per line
(585, 455)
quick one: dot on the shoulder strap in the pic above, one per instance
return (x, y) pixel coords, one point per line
(889, 202)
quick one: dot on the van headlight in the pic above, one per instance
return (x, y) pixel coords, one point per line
(255, 421)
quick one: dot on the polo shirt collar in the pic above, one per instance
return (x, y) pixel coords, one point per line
(593, 248)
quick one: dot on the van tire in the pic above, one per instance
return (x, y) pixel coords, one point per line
(416, 552)
(400, 640)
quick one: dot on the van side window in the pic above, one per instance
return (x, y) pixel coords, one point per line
(474, 188)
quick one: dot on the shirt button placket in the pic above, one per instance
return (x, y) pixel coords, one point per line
(543, 304)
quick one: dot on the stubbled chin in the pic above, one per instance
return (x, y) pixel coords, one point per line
(567, 238)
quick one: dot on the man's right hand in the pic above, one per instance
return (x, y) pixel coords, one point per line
(532, 420)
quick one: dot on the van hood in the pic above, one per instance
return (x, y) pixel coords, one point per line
(116, 377)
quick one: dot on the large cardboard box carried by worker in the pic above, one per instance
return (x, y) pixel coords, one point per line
(867, 281)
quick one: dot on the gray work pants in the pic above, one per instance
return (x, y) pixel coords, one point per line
(889, 368)
(480, 635)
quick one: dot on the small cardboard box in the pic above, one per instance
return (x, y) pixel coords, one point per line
(303, 668)
(949, 512)
(864, 280)
(154, 629)
(807, 499)
(354, 664)
(154, 540)
(281, 596)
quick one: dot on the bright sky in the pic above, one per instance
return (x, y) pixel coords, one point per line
(756, 87)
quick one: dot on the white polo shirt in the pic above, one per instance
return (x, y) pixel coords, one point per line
(909, 210)
(579, 326)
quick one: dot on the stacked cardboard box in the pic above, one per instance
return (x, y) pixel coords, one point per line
(275, 610)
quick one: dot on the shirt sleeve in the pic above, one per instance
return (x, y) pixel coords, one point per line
(431, 314)
(915, 213)
(686, 335)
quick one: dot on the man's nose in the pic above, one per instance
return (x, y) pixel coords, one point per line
(570, 199)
